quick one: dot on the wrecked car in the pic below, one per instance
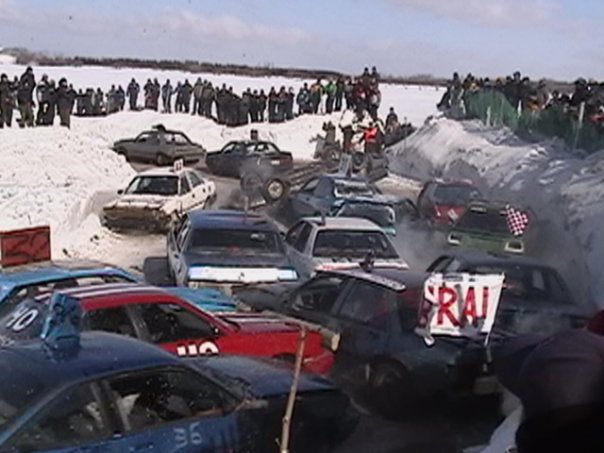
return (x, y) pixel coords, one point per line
(160, 146)
(441, 202)
(239, 157)
(492, 227)
(325, 243)
(154, 199)
(224, 249)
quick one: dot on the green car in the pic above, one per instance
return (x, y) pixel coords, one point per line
(484, 226)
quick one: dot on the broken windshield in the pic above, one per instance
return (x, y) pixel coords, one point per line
(353, 244)
(153, 185)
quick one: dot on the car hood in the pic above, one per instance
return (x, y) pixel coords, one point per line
(139, 201)
(261, 378)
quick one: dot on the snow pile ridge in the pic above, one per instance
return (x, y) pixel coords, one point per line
(48, 177)
(564, 191)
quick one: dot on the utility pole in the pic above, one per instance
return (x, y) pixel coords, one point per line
(289, 410)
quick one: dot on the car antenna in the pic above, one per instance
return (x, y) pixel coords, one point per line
(369, 262)
(61, 331)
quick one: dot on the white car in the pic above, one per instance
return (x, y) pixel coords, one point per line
(329, 243)
(155, 198)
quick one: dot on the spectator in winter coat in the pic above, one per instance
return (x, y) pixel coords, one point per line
(349, 94)
(187, 90)
(207, 99)
(148, 89)
(316, 92)
(25, 101)
(64, 99)
(43, 96)
(132, 91)
(340, 87)
(80, 109)
(98, 103)
(246, 107)
(289, 104)
(303, 100)
(6, 101)
(281, 105)
(391, 120)
(121, 97)
(262, 104)
(375, 77)
(112, 105)
(166, 96)
(272, 105)
(197, 97)
(330, 92)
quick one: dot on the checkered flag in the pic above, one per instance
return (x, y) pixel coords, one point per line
(517, 220)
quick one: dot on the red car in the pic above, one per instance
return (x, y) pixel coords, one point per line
(441, 203)
(156, 316)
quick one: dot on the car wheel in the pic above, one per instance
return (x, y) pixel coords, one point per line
(250, 183)
(332, 157)
(274, 190)
(161, 160)
(390, 390)
(359, 161)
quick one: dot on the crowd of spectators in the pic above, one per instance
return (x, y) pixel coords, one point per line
(202, 98)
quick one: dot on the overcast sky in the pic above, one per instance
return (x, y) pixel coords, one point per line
(555, 38)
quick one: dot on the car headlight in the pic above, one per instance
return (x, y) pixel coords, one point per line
(454, 239)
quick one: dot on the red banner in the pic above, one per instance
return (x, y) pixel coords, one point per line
(19, 247)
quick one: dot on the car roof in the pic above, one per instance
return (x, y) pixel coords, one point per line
(480, 257)
(250, 142)
(56, 270)
(164, 171)
(452, 182)
(343, 223)
(230, 219)
(100, 353)
(389, 277)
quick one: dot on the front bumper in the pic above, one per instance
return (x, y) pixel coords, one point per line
(147, 220)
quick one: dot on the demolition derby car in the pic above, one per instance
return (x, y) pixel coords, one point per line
(224, 249)
(159, 317)
(154, 199)
(19, 283)
(325, 243)
(441, 203)
(96, 391)
(239, 157)
(490, 226)
(341, 196)
(161, 146)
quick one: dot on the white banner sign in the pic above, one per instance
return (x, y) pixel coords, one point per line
(459, 305)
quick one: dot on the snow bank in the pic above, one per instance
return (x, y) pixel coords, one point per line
(56, 177)
(7, 59)
(564, 191)
(414, 102)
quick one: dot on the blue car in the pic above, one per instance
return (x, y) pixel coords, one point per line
(17, 284)
(227, 249)
(98, 392)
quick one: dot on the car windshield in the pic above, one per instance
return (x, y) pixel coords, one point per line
(24, 322)
(23, 390)
(490, 220)
(153, 185)
(353, 244)
(382, 215)
(353, 188)
(455, 194)
(235, 241)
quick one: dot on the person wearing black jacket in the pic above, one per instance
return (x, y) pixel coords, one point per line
(25, 100)
(7, 102)
(262, 102)
(132, 91)
(64, 100)
(272, 105)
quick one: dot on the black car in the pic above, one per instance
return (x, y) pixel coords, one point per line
(237, 158)
(161, 146)
(380, 354)
(534, 298)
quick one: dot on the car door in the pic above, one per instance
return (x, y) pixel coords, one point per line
(172, 409)
(187, 197)
(364, 315)
(424, 203)
(139, 147)
(296, 241)
(178, 329)
(323, 196)
(302, 201)
(176, 260)
(198, 188)
(77, 420)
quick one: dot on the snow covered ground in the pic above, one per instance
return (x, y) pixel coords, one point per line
(413, 102)
(565, 192)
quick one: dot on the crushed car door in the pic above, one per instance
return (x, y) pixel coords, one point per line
(297, 246)
(188, 197)
(174, 409)
(302, 201)
(176, 259)
(364, 315)
(200, 192)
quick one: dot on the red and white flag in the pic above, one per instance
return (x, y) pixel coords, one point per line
(517, 220)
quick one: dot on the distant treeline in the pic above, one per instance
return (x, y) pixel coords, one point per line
(25, 57)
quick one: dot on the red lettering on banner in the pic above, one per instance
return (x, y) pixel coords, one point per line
(447, 297)
(30, 245)
(469, 309)
(485, 301)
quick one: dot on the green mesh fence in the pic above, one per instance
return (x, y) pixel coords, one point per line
(493, 109)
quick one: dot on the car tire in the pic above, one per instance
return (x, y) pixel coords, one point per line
(390, 390)
(250, 183)
(331, 157)
(161, 160)
(274, 190)
(359, 161)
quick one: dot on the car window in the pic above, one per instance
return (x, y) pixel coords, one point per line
(324, 188)
(153, 185)
(524, 282)
(23, 322)
(319, 295)
(178, 140)
(490, 220)
(302, 240)
(440, 265)
(454, 265)
(310, 186)
(455, 194)
(185, 187)
(169, 323)
(146, 137)
(194, 178)
(557, 288)
(294, 233)
(164, 396)
(115, 320)
(367, 304)
(353, 244)
(407, 306)
(183, 234)
(228, 148)
(75, 417)
(234, 241)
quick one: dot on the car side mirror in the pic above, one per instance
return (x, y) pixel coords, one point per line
(120, 192)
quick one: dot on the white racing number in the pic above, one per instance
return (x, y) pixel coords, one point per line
(188, 436)
(205, 348)
(22, 318)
